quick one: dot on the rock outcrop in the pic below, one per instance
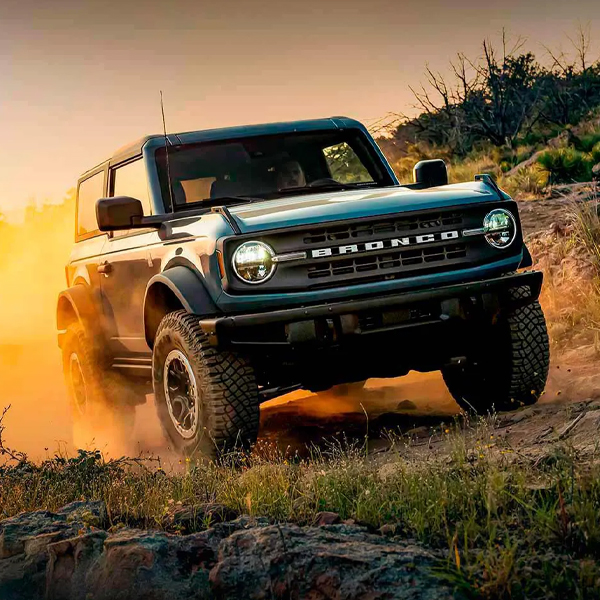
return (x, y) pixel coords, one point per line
(24, 542)
(333, 561)
(69, 555)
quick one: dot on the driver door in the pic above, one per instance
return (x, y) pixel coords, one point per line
(128, 263)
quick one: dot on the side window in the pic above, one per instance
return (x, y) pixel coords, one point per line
(90, 191)
(131, 180)
(344, 164)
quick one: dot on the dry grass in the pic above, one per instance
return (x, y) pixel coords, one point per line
(587, 227)
(527, 183)
(569, 255)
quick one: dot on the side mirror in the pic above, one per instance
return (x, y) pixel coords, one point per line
(119, 213)
(430, 173)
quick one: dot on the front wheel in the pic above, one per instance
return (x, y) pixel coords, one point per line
(508, 367)
(206, 399)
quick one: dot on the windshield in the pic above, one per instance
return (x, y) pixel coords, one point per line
(268, 167)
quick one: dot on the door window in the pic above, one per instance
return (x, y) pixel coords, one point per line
(90, 191)
(130, 180)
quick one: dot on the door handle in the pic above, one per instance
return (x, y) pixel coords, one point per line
(105, 268)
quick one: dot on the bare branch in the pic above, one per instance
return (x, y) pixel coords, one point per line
(5, 450)
(581, 44)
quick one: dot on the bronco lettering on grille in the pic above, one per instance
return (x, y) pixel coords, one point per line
(411, 240)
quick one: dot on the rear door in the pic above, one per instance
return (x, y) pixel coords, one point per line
(128, 263)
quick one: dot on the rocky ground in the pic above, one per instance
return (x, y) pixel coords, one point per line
(70, 555)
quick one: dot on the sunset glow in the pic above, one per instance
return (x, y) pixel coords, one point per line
(80, 79)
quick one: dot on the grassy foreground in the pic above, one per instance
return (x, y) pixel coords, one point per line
(508, 526)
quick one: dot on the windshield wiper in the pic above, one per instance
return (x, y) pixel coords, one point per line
(333, 185)
(229, 199)
(316, 188)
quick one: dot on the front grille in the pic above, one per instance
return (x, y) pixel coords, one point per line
(382, 262)
(359, 231)
(343, 253)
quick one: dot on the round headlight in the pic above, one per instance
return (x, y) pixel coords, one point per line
(253, 262)
(500, 228)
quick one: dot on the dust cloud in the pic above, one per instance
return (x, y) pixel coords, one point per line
(33, 255)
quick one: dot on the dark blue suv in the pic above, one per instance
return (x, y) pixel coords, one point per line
(233, 265)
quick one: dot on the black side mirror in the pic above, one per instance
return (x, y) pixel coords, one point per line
(430, 173)
(119, 213)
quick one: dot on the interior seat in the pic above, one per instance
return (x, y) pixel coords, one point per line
(224, 187)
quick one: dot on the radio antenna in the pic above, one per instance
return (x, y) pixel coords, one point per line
(162, 110)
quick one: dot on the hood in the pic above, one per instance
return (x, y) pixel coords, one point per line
(308, 209)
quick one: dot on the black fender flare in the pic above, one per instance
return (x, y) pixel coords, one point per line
(526, 261)
(76, 304)
(186, 287)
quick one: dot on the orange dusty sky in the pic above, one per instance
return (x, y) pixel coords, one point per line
(79, 78)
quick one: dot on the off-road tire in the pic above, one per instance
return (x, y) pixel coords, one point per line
(508, 370)
(109, 402)
(229, 411)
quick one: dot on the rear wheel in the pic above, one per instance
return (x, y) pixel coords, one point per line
(99, 400)
(508, 367)
(206, 399)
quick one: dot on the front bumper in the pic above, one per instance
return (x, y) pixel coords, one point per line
(333, 322)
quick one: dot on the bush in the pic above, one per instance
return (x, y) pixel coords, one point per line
(589, 141)
(413, 153)
(595, 153)
(565, 165)
(527, 182)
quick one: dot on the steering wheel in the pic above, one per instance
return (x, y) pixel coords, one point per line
(323, 181)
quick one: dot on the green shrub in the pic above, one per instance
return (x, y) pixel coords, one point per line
(508, 158)
(595, 153)
(527, 182)
(587, 142)
(565, 165)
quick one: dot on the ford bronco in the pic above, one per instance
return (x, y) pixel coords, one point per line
(230, 266)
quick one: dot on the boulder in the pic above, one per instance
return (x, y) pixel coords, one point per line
(336, 561)
(24, 541)
(138, 565)
(131, 565)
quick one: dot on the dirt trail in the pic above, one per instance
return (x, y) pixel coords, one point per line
(39, 421)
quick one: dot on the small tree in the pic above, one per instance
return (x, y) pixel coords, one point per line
(491, 98)
(501, 96)
(571, 86)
